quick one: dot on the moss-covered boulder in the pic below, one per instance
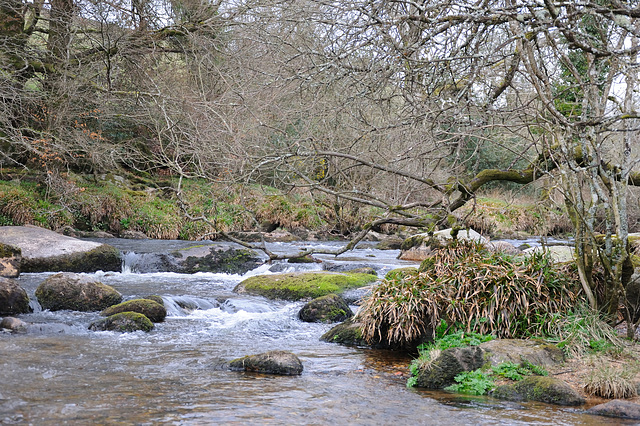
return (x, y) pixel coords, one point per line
(10, 258)
(13, 298)
(76, 292)
(441, 371)
(44, 250)
(327, 309)
(297, 286)
(152, 310)
(123, 322)
(349, 333)
(272, 362)
(542, 389)
(617, 408)
(158, 299)
(220, 258)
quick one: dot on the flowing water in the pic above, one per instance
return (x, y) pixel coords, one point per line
(59, 372)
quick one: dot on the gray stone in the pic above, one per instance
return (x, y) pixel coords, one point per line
(559, 254)
(536, 352)
(502, 247)
(44, 250)
(76, 292)
(13, 298)
(542, 389)
(419, 247)
(14, 324)
(617, 408)
(272, 362)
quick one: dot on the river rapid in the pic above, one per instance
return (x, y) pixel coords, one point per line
(59, 372)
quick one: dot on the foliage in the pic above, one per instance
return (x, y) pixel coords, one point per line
(474, 382)
(607, 381)
(582, 331)
(467, 286)
(517, 372)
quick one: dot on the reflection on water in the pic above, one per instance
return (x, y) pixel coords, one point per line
(61, 373)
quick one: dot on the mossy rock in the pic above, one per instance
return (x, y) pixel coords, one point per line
(542, 389)
(440, 372)
(158, 299)
(75, 292)
(272, 362)
(347, 333)
(123, 322)
(297, 286)
(13, 298)
(327, 309)
(152, 310)
(102, 258)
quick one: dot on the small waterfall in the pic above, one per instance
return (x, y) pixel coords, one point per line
(178, 306)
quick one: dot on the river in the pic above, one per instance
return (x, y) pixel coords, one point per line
(62, 373)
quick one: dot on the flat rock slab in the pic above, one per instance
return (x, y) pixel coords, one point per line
(44, 250)
(617, 408)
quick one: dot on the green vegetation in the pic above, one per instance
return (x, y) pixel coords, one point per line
(302, 286)
(474, 382)
(470, 289)
(607, 381)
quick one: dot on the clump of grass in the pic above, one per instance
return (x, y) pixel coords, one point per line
(583, 331)
(476, 290)
(607, 381)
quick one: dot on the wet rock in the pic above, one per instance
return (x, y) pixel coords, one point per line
(152, 310)
(441, 372)
(297, 286)
(13, 324)
(549, 390)
(272, 362)
(536, 352)
(124, 322)
(346, 333)
(44, 250)
(76, 292)
(13, 298)
(355, 296)
(10, 258)
(327, 309)
(617, 408)
(421, 246)
(219, 258)
(158, 299)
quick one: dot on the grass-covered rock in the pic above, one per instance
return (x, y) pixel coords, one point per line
(152, 310)
(125, 322)
(327, 309)
(297, 286)
(75, 292)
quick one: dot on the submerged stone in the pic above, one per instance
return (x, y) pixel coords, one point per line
(617, 408)
(272, 362)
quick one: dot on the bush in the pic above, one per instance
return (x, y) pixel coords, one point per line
(473, 290)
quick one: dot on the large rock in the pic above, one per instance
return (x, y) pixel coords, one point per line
(297, 286)
(542, 389)
(346, 333)
(421, 246)
(44, 250)
(451, 362)
(13, 298)
(517, 351)
(10, 258)
(559, 254)
(75, 292)
(617, 408)
(327, 309)
(124, 322)
(149, 308)
(273, 362)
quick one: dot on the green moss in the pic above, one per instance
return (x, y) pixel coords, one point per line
(152, 310)
(302, 286)
(123, 322)
(9, 251)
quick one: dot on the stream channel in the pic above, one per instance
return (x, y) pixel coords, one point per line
(59, 372)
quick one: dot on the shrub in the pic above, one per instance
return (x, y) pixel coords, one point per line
(472, 289)
(607, 381)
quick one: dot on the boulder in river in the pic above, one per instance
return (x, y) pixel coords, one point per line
(617, 408)
(76, 292)
(297, 286)
(327, 309)
(124, 322)
(272, 362)
(550, 390)
(44, 250)
(151, 309)
(14, 324)
(10, 258)
(451, 362)
(419, 247)
(13, 298)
